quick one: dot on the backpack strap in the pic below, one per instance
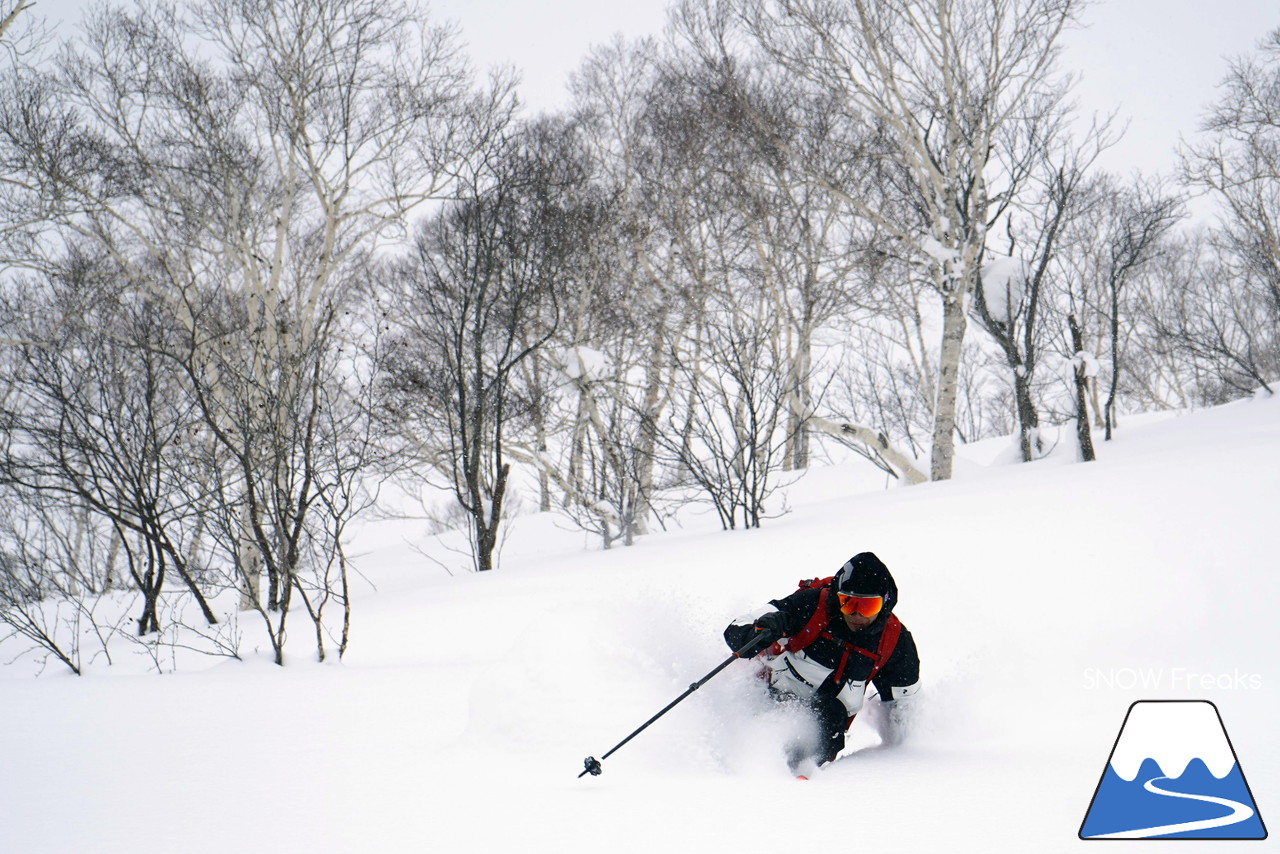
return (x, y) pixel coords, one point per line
(879, 658)
(817, 627)
(818, 622)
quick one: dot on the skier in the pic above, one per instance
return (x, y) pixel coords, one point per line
(822, 644)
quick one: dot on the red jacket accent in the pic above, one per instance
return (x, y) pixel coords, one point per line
(817, 627)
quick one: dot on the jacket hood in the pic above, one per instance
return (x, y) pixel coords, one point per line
(866, 574)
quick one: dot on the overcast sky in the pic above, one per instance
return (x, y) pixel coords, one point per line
(1157, 61)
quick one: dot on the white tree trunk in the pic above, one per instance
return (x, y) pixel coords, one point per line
(647, 444)
(944, 412)
(12, 15)
(902, 464)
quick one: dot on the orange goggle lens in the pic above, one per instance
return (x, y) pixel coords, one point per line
(866, 606)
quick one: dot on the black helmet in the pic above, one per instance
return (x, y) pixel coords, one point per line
(866, 575)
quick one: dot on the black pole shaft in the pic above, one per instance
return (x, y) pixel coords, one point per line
(694, 687)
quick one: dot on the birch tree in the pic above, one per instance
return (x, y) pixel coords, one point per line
(731, 437)
(632, 305)
(1215, 318)
(1238, 165)
(9, 12)
(1015, 294)
(17, 195)
(614, 314)
(96, 416)
(233, 157)
(476, 298)
(18, 31)
(1117, 234)
(809, 253)
(942, 80)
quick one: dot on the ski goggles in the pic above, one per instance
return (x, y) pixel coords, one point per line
(865, 606)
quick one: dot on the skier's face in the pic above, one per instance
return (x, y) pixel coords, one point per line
(857, 621)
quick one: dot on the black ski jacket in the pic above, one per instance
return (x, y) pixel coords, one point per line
(901, 670)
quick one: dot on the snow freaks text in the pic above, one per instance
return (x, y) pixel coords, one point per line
(1168, 678)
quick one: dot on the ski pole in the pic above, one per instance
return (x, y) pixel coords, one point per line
(593, 765)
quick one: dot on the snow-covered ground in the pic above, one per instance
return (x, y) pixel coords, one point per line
(1044, 598)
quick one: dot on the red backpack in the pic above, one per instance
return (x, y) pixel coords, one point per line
(817, 628)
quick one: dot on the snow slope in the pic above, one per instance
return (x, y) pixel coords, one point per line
(1044, 598)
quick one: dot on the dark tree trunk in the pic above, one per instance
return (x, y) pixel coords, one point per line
(205, 610)
(487, 529)
(273, 589)
(1083, 433)
(1028, 418)
(1115, 362)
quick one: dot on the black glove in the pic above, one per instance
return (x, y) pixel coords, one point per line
(774, 622)
(768, 628)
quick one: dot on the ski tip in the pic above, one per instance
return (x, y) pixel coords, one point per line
(801, 777)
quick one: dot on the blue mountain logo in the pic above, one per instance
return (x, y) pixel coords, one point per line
(1173, 774)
